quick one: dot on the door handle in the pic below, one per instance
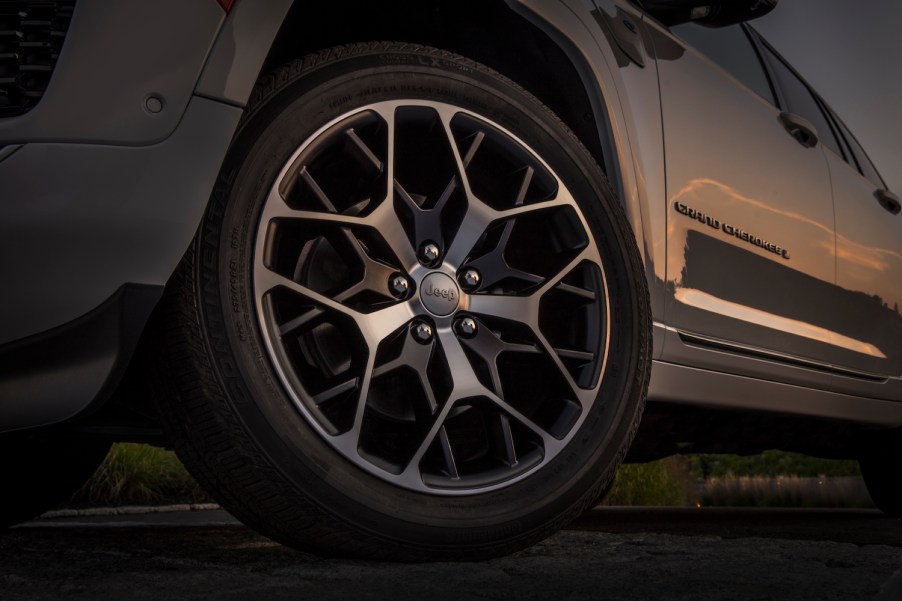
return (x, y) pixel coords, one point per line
(888, 201)
(800, 129)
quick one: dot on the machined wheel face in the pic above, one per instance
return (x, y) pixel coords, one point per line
(431, 297)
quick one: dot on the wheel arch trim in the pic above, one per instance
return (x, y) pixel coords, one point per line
(596, 63)
(240, 50)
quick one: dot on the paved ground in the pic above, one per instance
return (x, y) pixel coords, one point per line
(611, 553)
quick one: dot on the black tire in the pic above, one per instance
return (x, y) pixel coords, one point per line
(41, 471)
(242, 409)
(881, 468)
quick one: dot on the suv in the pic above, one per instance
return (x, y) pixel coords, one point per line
(408, 299)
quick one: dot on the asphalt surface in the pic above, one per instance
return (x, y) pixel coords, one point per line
(610, 553)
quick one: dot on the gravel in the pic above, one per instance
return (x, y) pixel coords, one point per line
(687, 555)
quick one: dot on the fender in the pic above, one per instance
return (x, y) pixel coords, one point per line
(623, 90)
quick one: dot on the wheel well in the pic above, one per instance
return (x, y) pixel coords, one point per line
(493, 35)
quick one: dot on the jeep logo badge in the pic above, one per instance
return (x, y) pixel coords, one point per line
(439, 294)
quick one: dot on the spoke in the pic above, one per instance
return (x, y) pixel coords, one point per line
(479, 215)
(489, 346)
(464, 388)
(471, 151)
(383, 218)
(388, 115)
(363, 152)
(507, 440)
(405, 197)
(387, 112)
(551, 444)
(495, 268)
(416, 356)
(583, 395)
(505, 237)
(524, 186)
(446, 195)
(476, 221)
(335, 391)
(378, 325)
(299, 321)
(348, 441)
(535, 207)
(427, 223)
(277, 207)
(574, 354)
(385, 221)
(412, 471)
(446, 114)
(524, 309)
(448, 454)
(465, 381)
(376, 274)
(466, 385)
(266, 279)
(577, 291)
(555, 280)
(374, 326)
(317, 191)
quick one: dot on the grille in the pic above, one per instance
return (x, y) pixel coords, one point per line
(31, 36)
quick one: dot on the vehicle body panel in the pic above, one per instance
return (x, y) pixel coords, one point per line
(675, 383)
(730, 159)
(113, 59)
(868, 269)
(109, 215)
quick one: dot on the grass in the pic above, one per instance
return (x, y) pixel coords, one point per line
(135, 474)
(784, 491)
(777, 479)
(770, 464)
(770, 479)
(659, 483)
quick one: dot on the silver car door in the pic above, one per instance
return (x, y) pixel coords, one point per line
(751, 238)
(868, 263)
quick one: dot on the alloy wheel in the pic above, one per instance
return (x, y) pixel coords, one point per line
(431, 297)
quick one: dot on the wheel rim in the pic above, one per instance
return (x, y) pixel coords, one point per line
(448, 333)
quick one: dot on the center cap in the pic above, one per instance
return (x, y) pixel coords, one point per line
(439, 294)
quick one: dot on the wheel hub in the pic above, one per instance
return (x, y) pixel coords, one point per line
(439, 294)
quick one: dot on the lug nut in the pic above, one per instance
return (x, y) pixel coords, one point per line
(429, 254)
(421, 332)
(399, 286)
(470, 279)
(465, 327)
